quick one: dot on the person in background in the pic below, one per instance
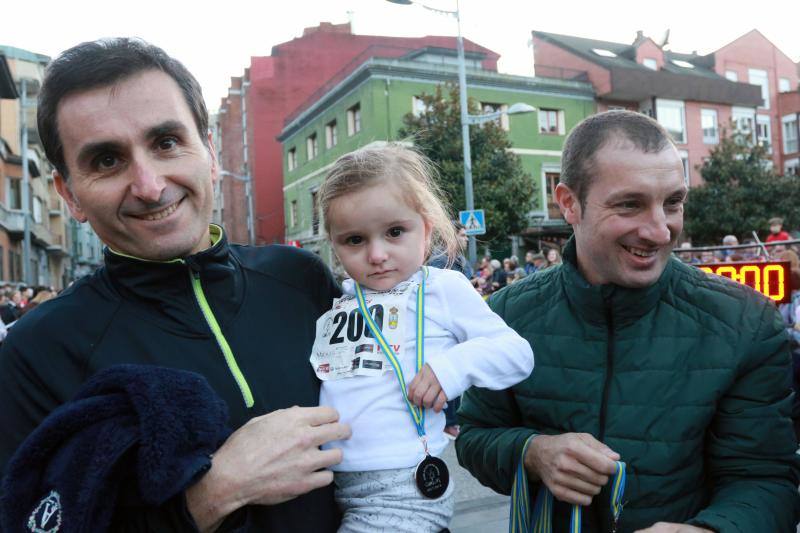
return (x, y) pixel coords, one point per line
(531, 261)
(728, 255)
(499, 275)
(776, 231)
(553, 257)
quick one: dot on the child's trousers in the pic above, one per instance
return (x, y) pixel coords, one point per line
(388, 500)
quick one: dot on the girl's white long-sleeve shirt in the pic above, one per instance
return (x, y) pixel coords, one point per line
(466, 344)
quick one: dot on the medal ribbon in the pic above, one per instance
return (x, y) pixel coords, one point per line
(417, 413)
(520, 519)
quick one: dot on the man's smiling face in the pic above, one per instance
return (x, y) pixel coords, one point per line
(139, 172)
(632, 216)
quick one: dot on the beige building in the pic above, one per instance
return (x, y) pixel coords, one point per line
(54, 236)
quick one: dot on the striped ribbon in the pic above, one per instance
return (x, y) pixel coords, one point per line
(417, 413)
(520, 519)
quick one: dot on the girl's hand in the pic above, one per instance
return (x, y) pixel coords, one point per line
(425, 390)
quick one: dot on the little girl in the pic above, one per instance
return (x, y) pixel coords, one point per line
(401, 341)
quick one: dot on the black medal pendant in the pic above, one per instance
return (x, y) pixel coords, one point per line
(432, 477)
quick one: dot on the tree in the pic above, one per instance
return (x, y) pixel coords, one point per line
(740, 194)
(500, 187)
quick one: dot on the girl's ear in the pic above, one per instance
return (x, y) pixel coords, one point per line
(428, 234)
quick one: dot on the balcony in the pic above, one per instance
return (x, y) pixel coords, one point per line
(58, 247)
(41, 234)
(12, 220)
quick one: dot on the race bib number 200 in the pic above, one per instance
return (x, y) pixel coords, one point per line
(344, 346)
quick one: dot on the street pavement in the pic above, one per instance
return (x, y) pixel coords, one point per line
(478, 509)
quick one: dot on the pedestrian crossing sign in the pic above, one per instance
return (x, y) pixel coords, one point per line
(473, 221)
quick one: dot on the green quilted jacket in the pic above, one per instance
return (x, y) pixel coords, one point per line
(688, 380)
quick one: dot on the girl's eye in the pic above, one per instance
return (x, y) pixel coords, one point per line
(354, 240)
(395, 231)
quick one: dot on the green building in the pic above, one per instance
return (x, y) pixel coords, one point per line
(367, 106)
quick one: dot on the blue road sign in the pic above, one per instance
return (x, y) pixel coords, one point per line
(474, 221)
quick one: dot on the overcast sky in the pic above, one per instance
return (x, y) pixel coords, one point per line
(215, 40)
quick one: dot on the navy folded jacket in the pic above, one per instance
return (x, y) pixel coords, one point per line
(148, 431)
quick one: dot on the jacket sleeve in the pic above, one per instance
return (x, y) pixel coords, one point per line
(492, 436)
(751, 445)
(25, 398)
(172, 516)
(488, 353)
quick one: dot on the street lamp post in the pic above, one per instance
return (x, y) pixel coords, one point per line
(466, 118)
(26, 178)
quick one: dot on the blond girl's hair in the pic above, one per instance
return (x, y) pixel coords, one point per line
(411, 171)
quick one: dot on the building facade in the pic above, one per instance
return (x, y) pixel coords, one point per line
(54, 255)
(293, 76)
(753, 59)
(368, 107)
(682, 91)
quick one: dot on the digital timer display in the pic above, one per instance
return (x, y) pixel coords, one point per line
(771, 279)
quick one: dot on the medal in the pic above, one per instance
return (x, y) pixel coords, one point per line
(431, 475)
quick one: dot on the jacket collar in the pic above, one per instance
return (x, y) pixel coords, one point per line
(167, 285)
(599, 303)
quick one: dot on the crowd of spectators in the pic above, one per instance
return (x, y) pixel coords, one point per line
(15, 301)
(492, 275)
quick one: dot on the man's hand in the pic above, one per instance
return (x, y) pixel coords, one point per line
(271, 459)
(426, 391)
(668, 527)
(574, 466)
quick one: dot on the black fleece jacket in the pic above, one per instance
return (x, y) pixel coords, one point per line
(265, 300)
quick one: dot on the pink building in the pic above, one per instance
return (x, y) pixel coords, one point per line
(685, 92)
(753, 59)
(273, 87)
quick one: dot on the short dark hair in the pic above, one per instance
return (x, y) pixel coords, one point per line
(594, 132)
(101, 63)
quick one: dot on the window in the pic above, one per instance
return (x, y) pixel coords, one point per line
(671, 115)
(502, 120)
(551, 180)
(314, 213)
(2, 259)
(784, 86)
(790, 143)
(650, 63)
(760, 78)
(744, 122)
(354, 119)
(293, 214)
(418, 107)
(681, 63)
(37, 210)
(731, 75)
(685, 162)
(15, 264)
(708, 120)
(330, 134)
(14, 193)
(312, 148)
(603, 52)
(763, 136)
(791, 167)
(551, 121)
(291, 158)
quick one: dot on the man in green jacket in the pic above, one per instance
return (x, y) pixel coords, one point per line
(682, 375)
